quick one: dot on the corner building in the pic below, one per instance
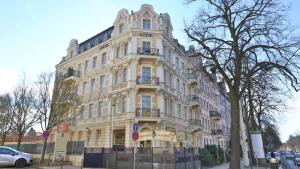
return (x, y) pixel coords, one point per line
(136, 72)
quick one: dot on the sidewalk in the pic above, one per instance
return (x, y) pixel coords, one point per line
(226, 166)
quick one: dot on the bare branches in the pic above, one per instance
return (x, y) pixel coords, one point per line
(243, 40)
(5, 117)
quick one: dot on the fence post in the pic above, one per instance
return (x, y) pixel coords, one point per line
(152, 157)
(184, 157)
(116, 157)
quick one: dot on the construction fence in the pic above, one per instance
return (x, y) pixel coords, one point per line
(142, 158)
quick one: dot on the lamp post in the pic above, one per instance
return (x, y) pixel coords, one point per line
(153, 137)
(112, 124)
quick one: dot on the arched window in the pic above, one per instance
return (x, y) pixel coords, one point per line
(121, 28)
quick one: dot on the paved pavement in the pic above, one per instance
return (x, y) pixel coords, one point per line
(226, 166)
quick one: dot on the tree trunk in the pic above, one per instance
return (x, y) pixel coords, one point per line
(2, 141)
(20, 136)
(43, 150)
(235, 131)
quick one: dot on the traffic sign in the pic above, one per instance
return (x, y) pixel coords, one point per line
(45, 134)
(135, 127)
(135, 135)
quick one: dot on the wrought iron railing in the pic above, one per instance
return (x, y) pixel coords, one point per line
(72, 72)
(147, 112)
(216, 131)
(215, 114)
(147, 80)
(195, 122)
(193, 98)
(148, 51)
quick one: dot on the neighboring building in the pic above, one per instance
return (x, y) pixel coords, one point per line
(136, 72)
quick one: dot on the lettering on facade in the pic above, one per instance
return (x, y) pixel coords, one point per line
(146, 34)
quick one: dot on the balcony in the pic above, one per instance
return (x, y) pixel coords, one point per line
(192, 79)
(194, 101)
(71, 75)
(215, 115)
(217, 132)
(148, 114)
(195, 124)
(148, 51)
(147, 82)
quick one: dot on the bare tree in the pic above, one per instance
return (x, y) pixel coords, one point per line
(22, 108)
(5, 117)
(56, 110)
(240, 38)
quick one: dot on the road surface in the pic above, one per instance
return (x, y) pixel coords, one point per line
(289, 163)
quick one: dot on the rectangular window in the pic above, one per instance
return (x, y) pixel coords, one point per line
(178, 85)
(166, 106)
(79, 135)
(116, 77)
(146, 75)
(97, 141)
(101, 83)
(183, 88)
(92, 85)
(90, 110)
(100, 104)
(125, 49)
(146, 103)
(84, 87)
(121, 28)
(146, 24)
(177, 62)
(146, 47)
(94, 61)
(179, 110)
(171, 106)
(81, 112)
(117, 52)
(79, 67)
(86, 63)
(125, 70)
(124, 103)
(103, 58)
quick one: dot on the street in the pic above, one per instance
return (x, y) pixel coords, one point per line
(288, 163)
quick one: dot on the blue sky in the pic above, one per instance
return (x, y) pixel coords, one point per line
(34, 35)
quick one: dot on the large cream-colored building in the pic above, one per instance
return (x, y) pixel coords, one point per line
(137, 72)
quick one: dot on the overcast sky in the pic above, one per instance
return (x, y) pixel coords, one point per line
(34, 36)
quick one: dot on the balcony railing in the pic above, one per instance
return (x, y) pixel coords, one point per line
(148, 51)
(71, 72)
(217, 132)
(195, 122)
(147, 80)
(215, 114)
(147, 112)
(191, 76)
(193, 98)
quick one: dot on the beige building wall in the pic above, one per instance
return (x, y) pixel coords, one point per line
(111, 92)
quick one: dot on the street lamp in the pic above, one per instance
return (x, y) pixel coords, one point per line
(153, 136)
(112, 124)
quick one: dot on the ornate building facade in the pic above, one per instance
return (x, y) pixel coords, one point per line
(136, 72)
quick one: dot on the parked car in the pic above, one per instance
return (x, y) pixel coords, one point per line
(277, 157)
(297, 159)
(289, 155)
(12, 157)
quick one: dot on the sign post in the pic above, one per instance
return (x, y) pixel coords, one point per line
(135, 137)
